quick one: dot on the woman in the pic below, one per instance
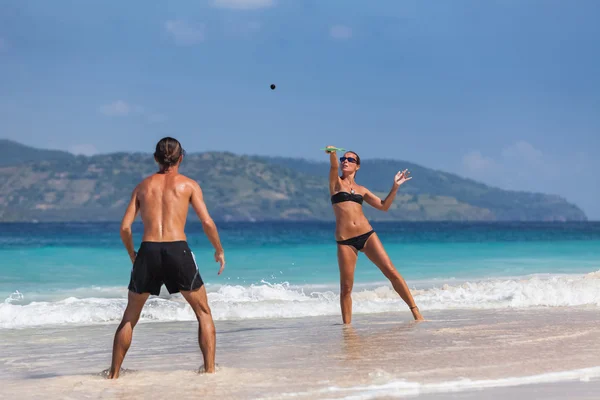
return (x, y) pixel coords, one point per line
(354, 232)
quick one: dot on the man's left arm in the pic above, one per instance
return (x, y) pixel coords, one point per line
(130, 214)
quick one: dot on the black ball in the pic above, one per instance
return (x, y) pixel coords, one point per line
(272, 86)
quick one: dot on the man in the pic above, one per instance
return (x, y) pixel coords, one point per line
(163, 200)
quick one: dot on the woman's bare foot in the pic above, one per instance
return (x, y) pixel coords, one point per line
(416, 313)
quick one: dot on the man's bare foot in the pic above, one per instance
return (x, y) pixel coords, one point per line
(416, 313)
(204, 370)
(113, 374)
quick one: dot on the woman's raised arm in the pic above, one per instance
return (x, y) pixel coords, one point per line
(333, 169)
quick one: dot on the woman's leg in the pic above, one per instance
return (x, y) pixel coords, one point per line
(377, 254)
(347, 256)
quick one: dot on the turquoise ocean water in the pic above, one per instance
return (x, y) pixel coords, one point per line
(78, 272)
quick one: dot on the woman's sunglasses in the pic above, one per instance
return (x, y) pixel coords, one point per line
(350, 159)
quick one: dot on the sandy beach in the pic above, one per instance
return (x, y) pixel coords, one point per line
(455, 353)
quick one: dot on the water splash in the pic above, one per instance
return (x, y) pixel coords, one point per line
(14, 297)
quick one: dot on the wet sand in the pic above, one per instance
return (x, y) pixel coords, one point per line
(457, 353)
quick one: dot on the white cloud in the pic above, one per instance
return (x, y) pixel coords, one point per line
(523, 151)
(520, 155)
(340, 32)
(83, 149)
(518, 166)
(243, 4)
(120, 108)
(477, 162)
(523, 166)
(183, 33)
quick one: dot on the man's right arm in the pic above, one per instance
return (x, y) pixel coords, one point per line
(130, 213)
(208, 225)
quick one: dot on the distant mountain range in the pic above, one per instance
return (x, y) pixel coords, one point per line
(50, 185)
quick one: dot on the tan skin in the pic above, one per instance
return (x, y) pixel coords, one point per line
(163, 200)
(351, 222)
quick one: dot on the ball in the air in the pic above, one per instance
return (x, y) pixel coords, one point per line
(272, 86)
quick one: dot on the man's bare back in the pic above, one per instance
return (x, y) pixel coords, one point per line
(163, 200)
(164, 257)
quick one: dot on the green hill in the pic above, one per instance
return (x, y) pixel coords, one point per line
(63, 187)
(16, 153)
(377, 175)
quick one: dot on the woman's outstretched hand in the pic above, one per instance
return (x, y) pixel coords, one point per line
(330, 151)
(401, 177)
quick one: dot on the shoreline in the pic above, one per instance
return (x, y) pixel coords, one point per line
(379, 356)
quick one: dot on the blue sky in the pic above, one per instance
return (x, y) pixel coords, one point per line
(505, 92)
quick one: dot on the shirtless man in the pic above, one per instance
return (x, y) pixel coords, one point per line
(163, 201)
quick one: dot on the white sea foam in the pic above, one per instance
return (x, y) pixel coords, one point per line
(403, 388)
(232, 302)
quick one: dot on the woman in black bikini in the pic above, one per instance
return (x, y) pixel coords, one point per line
(354, 232)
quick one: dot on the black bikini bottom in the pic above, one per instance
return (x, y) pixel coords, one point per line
(358, 242)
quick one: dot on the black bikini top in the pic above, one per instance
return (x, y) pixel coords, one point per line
(345, 196)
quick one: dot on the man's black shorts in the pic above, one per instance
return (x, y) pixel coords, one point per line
(171, 263)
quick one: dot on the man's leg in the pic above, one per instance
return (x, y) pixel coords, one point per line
(124, 333)
(206, 327)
